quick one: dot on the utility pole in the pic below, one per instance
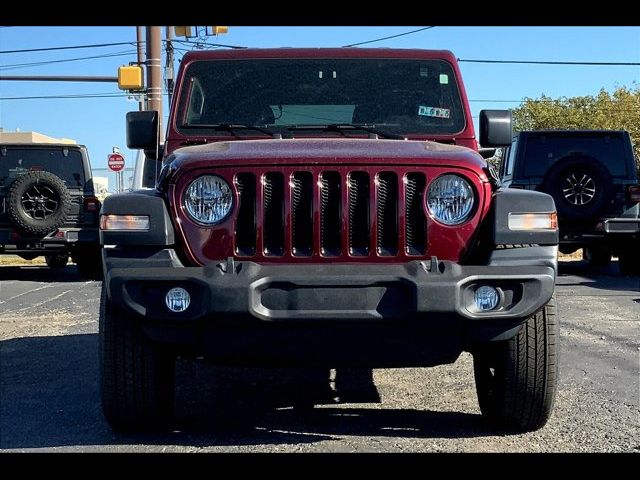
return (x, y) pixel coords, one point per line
(168, 72)
(154, 75)
(140, 48)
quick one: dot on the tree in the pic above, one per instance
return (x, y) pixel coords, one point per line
(619, 110)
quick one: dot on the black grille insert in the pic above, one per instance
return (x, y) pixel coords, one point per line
(330, 214)
(415, 228)
(359, 213)
(387, 214)
(273, 219)
(246, 222)
(302, 213)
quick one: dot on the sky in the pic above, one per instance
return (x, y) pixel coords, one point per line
(99, 123)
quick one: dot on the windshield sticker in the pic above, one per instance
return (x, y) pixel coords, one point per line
(444, 79)
(433, 112)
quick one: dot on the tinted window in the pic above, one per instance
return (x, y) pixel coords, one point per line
(542, 151)
(18, 161)
(403, 96)
(511, 158)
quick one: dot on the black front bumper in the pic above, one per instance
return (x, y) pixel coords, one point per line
(428, 302)
(13, 242)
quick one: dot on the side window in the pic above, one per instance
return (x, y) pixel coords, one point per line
(511, 159)
(503, 160)
(196, 103)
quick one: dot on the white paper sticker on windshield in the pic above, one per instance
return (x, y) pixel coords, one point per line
(444, 79)
(433, 112)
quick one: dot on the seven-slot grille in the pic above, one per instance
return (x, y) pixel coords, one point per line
(329, 213)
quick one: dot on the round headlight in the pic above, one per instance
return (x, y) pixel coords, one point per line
(208, 199)
(450, 199)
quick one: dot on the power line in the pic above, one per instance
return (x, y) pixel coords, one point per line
(529, 100)
(189, 42)
(49, 62)
(82, 95)
(390, 36)
(549, 62)
(72, 96)
(69, 47)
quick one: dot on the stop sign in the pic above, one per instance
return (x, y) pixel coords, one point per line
(115, 161)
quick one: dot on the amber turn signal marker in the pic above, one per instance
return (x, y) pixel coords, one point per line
(124, 222)
(533, 221)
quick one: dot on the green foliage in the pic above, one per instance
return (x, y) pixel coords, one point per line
(619, 110)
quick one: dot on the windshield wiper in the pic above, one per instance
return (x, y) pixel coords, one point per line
(342, 127)
(232, 128)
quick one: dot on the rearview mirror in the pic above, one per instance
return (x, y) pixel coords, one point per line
(142, 130)
(495, 128)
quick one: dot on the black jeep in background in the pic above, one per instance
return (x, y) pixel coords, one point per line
(48, 205)
(592, 176)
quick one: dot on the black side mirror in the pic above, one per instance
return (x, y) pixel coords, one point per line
(496, 128)
(142, 130)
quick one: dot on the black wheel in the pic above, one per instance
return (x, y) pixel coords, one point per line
(136, 376)
(580, 186)
(596, 256)
(629, 261)
(38, 202)
(89, 262)
(516, 379)
(57, 260)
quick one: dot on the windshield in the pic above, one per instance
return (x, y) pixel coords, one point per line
(17, 161)
(399, 95)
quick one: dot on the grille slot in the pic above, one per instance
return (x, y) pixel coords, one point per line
(330, 214)
(302, 214)
(387, 214)
(273, 214)
(359, 224)
(246, 222)
(415, 228)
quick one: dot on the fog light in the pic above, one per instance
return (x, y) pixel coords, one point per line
(486, 298)
(177, 299)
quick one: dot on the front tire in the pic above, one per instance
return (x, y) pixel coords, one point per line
(136, 375)
(516, 379)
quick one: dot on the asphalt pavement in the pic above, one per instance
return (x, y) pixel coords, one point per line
(49, 399)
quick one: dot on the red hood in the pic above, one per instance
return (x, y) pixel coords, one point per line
(326, 151)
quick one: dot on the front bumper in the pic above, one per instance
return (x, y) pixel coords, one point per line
(624, 226)
(614, 233)
(308, 293)
(420, 313)
(326, 292)
(12, 241)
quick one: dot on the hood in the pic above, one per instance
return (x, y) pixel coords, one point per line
(324, 151)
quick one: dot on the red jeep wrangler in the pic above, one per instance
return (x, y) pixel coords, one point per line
(326, 208)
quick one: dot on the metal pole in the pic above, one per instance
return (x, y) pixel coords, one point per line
(140, 49)
(169, 64)
(154, 75)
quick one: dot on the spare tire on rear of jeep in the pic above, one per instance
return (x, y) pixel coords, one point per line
(581, 186)
(38, 202)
